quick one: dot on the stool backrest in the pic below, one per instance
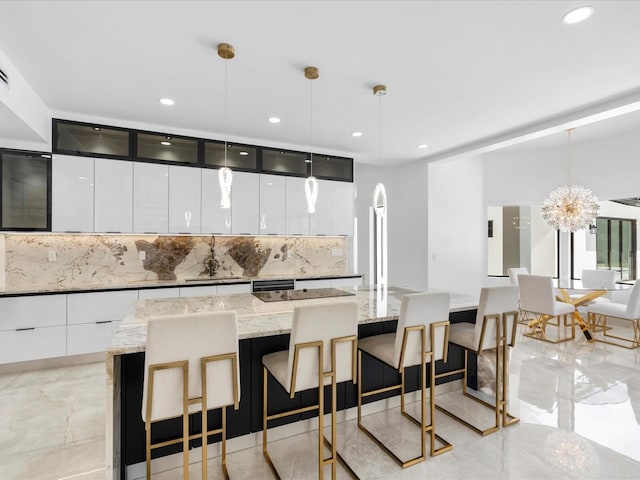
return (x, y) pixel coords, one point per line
(322, 322)
(633, 306)
(422, 308)
(496, 301)
(598, 278)
(190, 337)
(536, 293)
(514, 272)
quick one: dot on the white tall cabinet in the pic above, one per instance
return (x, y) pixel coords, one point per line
(72, 181)
(297, 217)
(150, 198)
(184, 199)
(215, 219)
(272, 205)
(113, 196)
(342, 208)
(245, 203)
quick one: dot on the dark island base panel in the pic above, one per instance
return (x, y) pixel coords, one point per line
(248, 418)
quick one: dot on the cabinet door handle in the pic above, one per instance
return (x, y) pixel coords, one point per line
(25, 329)
(103, 321)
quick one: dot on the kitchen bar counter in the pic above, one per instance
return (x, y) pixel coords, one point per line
(263, 327)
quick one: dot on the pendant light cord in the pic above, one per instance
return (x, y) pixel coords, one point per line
(569, 142)
(226, 112)
(380, 129)
(311, 126)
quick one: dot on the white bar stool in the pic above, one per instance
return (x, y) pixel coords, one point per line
(420, 338)
(495, 328)
(191, 365)
(321, 335)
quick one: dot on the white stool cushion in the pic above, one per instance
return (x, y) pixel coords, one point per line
(276, 363)
(610, 309)
(379, 346)
(463, 334)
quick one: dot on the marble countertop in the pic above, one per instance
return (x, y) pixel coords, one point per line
(144, 284)
(257, 318)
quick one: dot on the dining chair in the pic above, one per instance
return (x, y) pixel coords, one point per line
(494, 329)
(322, 351)
(514, 272)
(191, 365)
(421, 337)
(538, 305)
(602, 315)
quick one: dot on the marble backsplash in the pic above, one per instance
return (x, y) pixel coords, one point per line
(68, 260)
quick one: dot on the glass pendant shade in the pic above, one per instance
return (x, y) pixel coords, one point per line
(225, 178)
(571, 208)
(311, 192)
(380, 199)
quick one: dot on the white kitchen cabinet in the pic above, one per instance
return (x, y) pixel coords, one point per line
(346, 282)
(90, 337)
(215, 219)
(72, 180)
(184, 199)
(32, 344)
(32, 327)
(235, 288)
(199, 291)
(321, 222)
(99, 306)
(113, 196)
(342, 208)
(320, 283)
(151, 293)
(245, 203)
(150, 198)
(272, 205)
(297, 217)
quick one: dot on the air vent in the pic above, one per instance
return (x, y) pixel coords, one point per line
(4, 78)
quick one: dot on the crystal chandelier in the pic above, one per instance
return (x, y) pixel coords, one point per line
(571, 207)
(225, 175)
(311, 183)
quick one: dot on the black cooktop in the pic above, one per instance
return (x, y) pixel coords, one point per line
(304, 294)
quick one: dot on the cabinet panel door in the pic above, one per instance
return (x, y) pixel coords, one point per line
(321, 222)
(72, 180)
(33, 311)
(202, 291)
(90, 337)
(301, 284)
(151, 293)
(184, 199)
(47, 342)
(346, 282)
(150, 198)
(236, 288)
(245, 203)
(342, 208)
(114, 195)
(297, 217)
(99, 306)
(272, 205)
(215, 219)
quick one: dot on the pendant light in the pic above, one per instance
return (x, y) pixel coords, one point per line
(571, 207)
(380, 194)
(225, 175)
(311, 184)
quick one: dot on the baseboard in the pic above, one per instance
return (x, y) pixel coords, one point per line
(170, 462)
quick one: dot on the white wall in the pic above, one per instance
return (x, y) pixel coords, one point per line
(457, 225)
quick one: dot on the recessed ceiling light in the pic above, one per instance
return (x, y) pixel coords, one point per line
(82, 178)
(422, 146)
(356, 134)
(97, 129)
(167, 101)
(165, 143)
(577, 15)
(274, 120)
(244, 154)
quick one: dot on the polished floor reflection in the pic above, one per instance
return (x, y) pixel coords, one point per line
(579, 406)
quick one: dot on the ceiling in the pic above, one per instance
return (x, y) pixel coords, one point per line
(458, 72)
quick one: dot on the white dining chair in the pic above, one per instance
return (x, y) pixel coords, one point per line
(421, 337)
(538, 305)
(191, 365)
(322, 351)
(604, 315)
(514, 272)
(494, 329)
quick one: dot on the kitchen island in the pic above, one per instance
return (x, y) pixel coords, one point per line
(263, 327)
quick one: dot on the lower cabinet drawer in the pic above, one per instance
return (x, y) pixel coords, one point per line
(33, 344)
(90, 337)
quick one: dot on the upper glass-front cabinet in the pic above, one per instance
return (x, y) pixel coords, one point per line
(90, 140)
(284, 161)
(333, 168)
(167, 148)
(26, 179)
(243, 157)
